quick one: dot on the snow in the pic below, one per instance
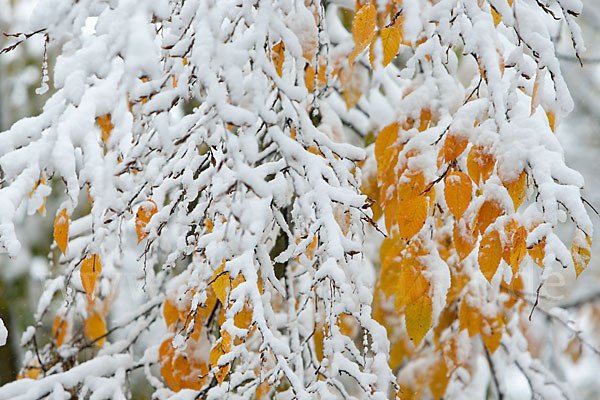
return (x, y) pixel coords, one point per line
(3, 333)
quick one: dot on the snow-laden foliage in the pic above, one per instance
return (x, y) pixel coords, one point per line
(216, 147)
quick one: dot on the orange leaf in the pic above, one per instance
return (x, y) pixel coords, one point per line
(411, 217)
(489, 211)
(458, 192)
(454, 145)
(518, 249)
(106, 126)
(59, 329)
(90, 271)
(424, 119)
(517, 189)
(61, 230)
(551, 120)
(537, 252)
(490, 252)
(222, 347)
(277, 56)
(440, 378)
(43, 182)
(464, 242)
(171, 313)
(165, 357)
(94, 327)
(418, 318)
(145, 212)
(309, 78)
(243, 319)
(581, 250)
(469, 317)
(371, 53)
(458, 281)
(386, 138)
(491, 333)
(480, 164)
(538, 89)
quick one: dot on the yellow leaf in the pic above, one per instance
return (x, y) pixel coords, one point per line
(496, 16)
(581, 250)
(458, 192)
(491, 333)
(318, 338)
(418, 318)
(393, 201)
(458, 281)
(363, 24)
(222, 347)
(90, 271)
(538, 89)
(489, 256)
(277, 56)
(469, 317)
(322, 72)
(390, 39)
(353, 90)
(106, 126)
(386, 138)
(371, 53)
(145, 212)
(411, 216)
(398, 352)
(94, 327)
(440, 378)
(424, 119)
(309, 78)
(480, 164)
(390, 256)
(59, 329)
(61, 230)
(220, 283)
(412, 284)
(517, 189)
(31, 371)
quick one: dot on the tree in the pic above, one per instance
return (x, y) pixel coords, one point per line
(231, 161)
